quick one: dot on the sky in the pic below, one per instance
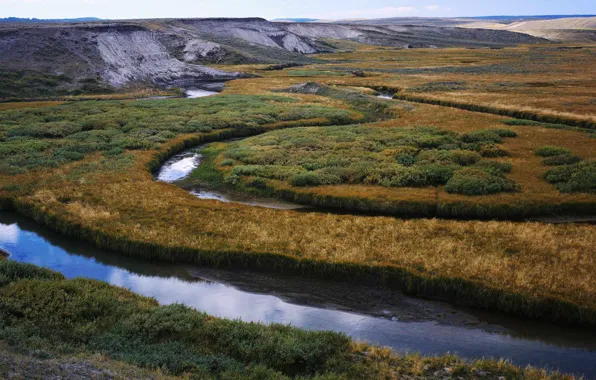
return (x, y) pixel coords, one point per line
(271, 9)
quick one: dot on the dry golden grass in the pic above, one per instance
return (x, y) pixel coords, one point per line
(547, 79)
(534, 260)
(19, 105)
(554, 264)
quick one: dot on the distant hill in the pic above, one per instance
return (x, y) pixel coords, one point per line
(528, 18)
(562, 29)
(295, 20)
(13, 20)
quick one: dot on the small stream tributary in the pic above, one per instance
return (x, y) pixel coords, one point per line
(181, 165)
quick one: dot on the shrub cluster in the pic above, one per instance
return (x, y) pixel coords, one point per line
(563, 159)
(50, 137)
(551, 151)
(44, 314)
(576, 178)
(473, 181)
(390, 157)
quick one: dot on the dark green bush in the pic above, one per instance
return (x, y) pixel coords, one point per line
(493, 150)
(563, 159)
(232, 179)
(471, 181)
(43, 314)
(484, 136)
(10, 187)
(494, 167)
(305, 179)
(405, 159)
(11, 271)
(505, 132)
(391, 157)
(258, 183)
(50, 137)
(465, 157)
(551, 151)
(401, 177)
(113, 152)
(517, 122)
(438, 174)
(576, 178)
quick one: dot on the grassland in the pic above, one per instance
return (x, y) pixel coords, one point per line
(87, 328)
(388, 157)
(83, 169)
(549, 83)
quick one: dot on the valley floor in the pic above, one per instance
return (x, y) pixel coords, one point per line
(84, 169)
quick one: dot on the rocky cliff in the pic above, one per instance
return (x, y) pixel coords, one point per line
(167, 53)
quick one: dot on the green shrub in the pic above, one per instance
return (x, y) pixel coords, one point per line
(456, 156)
(391, 157)
(563, 159)
(8, 169)
(471, 181)
(484, 136)
(465, 157)
(305, 179)
(11, 187)
(518, 122)
(494, 167)
(493, 150)
(505, 132)
(11, 271)
(405, 159)
(50, 137)
(438, 174)
(113, 152)
(551, 151)
(576, 178)
(227, 162)
(258, 183)
(404, 177)
(232, 179)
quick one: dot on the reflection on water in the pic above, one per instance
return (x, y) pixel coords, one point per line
(266, 301)
(199, 93)
(385, 95)
(181, 165)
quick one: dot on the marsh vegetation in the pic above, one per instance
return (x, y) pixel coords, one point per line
(83, 169)
(389, 157)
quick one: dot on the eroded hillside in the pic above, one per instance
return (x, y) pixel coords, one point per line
(95, 57)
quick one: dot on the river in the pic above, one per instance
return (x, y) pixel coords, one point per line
(368, 313)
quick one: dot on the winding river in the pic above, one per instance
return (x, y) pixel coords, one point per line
(376, 315)
(364, 312)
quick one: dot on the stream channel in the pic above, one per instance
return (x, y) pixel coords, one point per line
(365, 312)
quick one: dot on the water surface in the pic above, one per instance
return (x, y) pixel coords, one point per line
(180, 167)
(364, 312)
(199, 93)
